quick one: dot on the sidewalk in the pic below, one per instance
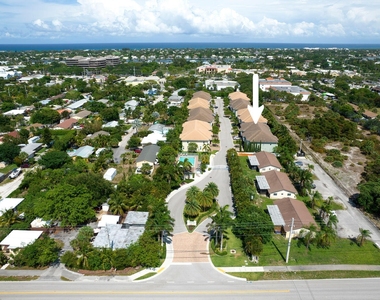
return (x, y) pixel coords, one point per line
(301, 268)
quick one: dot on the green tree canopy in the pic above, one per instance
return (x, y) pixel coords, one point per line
(54, 159)
(8, 152)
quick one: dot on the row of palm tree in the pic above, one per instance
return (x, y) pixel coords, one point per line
(198, 200)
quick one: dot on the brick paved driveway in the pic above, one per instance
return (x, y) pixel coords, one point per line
(190, 247)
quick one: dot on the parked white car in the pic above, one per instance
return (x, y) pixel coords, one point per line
(15, 173)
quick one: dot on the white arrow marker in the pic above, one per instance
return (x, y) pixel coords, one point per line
(254, 110)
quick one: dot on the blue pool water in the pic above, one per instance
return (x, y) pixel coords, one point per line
(191, 159)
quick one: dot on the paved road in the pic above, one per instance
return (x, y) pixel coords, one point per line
(350, 219)
(9, 187)
(201, 289)
(219, 174)
(117, 152)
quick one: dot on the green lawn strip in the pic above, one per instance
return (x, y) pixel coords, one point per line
(342, 251)
(300, 275)
(146, 276)
(18, 278)
(8, 168)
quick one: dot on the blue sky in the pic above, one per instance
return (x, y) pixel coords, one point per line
(86, 21)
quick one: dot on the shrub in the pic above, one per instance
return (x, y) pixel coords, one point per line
(337, 164)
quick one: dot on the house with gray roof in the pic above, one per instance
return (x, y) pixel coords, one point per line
(117, 236)
(83, 152)
(147, 156)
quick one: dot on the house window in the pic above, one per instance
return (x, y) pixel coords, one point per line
(275, 194)
(282, 194)
(289, 194)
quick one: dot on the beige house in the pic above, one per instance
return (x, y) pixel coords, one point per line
(198, 102)
(202, 94)
(276, 185)
(296, 209)
(202, 114)
(244, 116)
(196, 131)
(259, 134)
(239, 104)
(238, 95)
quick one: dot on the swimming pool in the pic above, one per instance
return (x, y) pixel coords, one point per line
(191, 159)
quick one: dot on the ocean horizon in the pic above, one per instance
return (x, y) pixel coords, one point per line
(140, 46)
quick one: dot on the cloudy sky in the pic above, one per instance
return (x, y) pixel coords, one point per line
(81, 21)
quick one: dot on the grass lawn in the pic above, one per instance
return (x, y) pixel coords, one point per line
(8, 168)
(146, 276)
(343, 251)
(18, 278)
(306, 275)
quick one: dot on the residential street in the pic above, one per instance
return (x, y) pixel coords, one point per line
(7, 188)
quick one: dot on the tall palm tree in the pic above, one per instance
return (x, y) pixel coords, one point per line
(118, 204)
(326, 236)
(219, 223)
(9, 217)
(186, 166)
(206, 148)
(332, 222)
(162, 222)
(305, 180)
(205, 199)
(192, 207)
(364, 234)
(316, 198)
(212, 187)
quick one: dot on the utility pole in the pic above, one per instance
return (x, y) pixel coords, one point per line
(290, 241)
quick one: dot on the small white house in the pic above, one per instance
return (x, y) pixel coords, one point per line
(19, 239)
(110, 174)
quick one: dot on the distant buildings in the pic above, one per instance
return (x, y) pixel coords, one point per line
(93, 62)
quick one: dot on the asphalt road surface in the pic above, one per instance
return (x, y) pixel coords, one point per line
(350, 219)
(203, 289)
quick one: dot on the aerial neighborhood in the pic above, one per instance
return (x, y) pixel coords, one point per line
(108, 157)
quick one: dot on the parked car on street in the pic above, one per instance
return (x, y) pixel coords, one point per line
(15, 173)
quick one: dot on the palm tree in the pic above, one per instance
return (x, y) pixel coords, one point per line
(9, 217)
(118, 204)
(309, 235)
(305, 181)
(325, 237)
(162, 222)
(206, 148)
(205, 199)
(364, 234)
(316, 198)
(212, 187)
(192, 208)
(333, 221)
(219, 223)
(137, 124)
(192, 192)
(186, 166)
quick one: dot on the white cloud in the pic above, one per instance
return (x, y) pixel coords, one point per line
(247, 20)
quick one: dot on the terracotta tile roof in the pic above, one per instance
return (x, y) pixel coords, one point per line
(196, 130)
(202, 114)
(267, 159)
(292, 208)
(202, 94)
(14, 134)
(245, 117)
(239, 104)
(238, 95)
(279, 181)
(198, 102)
(259, 132)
